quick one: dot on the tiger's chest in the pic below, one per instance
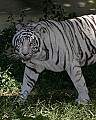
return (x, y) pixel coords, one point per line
(49, 65)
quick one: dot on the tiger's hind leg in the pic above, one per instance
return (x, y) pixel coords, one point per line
(78, 80)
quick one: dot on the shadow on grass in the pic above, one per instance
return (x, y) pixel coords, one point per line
(39, 117)
(36, 108)
(23, 117)
(32, 110)
(8, 111)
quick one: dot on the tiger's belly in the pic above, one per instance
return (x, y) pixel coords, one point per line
(87, 59)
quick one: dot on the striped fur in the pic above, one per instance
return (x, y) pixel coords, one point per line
(65, 45)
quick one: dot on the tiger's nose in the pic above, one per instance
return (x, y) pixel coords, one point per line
(25, 54)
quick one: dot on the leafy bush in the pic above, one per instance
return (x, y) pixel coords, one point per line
(8, 84)
(55, 11)
(6, 38)
(7, 34)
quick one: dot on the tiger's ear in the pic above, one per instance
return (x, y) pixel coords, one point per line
(18, 27)
(40, 29)
(43, 29)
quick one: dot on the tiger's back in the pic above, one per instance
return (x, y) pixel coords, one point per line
(74, 38)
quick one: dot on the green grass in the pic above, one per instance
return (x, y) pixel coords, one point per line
(50, 105)
(45, 110)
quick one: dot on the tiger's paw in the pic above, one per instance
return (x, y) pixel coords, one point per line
(83, 99)
(83, 102)
(21, 100)
(18, 104)
(21, 103)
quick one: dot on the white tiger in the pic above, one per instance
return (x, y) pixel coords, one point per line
(57, 46)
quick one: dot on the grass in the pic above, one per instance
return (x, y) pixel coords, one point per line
(48, 107)
(46, 111)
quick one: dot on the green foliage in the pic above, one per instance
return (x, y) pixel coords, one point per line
(43, 110)
(6, 38)
(20, 20)
(55, 11)
(8, 84)
(7, 34)
(7, 55)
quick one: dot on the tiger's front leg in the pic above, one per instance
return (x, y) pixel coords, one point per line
(78, 80)
(29, 79)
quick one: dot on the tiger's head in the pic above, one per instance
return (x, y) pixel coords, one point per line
(26, 42)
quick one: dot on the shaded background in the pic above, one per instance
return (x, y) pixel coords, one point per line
(34, 8)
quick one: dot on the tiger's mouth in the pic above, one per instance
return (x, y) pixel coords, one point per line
(26, 58)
